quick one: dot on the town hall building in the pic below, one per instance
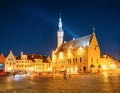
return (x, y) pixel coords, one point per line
(77, 55)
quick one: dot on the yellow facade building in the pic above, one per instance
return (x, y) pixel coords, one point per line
(40, 63)
(33, 63)
(27, 63)
(107, 62)
(23, 63)
(77, 55)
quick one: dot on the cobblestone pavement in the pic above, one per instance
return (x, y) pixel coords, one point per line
(84, 83)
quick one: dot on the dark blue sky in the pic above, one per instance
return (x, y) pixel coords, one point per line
(31, 26)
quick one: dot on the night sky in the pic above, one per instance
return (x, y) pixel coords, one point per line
(31, 26)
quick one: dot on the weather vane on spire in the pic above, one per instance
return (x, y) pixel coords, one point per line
(60, 14)
(93, 29)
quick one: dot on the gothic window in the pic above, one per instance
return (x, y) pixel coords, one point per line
(97, 61)
(95, 48)
(91, 60)
(70, 61)
(76, 60)
(73, 60)
(80, 60)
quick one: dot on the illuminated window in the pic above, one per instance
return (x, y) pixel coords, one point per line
(61, 55)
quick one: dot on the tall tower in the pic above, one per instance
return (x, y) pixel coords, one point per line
(60, 32)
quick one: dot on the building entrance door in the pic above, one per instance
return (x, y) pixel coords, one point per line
(84, 69)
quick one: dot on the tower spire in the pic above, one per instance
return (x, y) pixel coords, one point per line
(60, 14)
(60, 22)
(60, 32)
(94, 29)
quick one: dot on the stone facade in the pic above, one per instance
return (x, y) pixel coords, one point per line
(10, 63)
(77, 59)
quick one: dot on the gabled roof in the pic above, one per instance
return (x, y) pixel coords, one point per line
(79, 42)
(10, 55)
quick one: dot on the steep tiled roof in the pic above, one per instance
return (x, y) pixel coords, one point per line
(18, 57)
(34, 56)
(79, 42)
